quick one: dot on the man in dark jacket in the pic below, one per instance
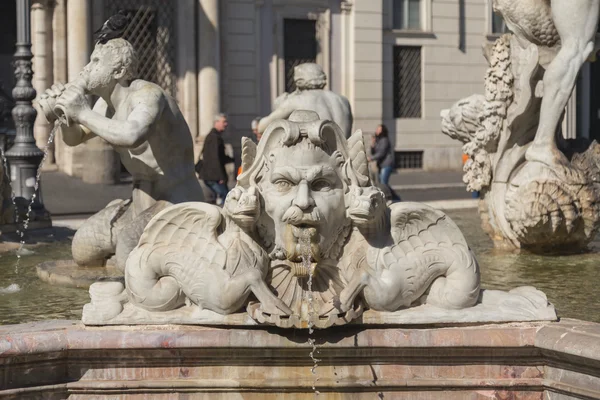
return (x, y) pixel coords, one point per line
(214, 159)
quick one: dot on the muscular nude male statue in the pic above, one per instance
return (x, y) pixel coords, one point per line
(543, 22)
(145, 126)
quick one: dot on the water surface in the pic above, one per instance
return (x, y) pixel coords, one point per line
(572, 283)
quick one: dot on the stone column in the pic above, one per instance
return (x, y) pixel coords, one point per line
(569, 123)
(102, 163)
(208, 64)
(187, 81)
(79, 48)
(347, 55)
(43, 65)
(59, 51)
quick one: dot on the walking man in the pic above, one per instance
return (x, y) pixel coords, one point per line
(214, 159)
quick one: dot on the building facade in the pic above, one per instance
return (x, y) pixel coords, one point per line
(399, 62)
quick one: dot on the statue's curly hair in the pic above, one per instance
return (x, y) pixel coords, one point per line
(124, 56)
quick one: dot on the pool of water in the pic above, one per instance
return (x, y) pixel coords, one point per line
(37, 300)
(570, 282)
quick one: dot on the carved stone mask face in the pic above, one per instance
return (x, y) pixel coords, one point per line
(99, 72)
(304, 196)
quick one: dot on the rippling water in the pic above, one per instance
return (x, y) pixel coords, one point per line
(37, 300)
(570, 282)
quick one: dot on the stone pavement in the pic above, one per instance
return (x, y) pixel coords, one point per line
(69, 197)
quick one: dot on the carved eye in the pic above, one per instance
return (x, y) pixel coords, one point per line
(283, 184)
(321, 185)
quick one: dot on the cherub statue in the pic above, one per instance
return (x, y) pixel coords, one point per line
(310, 94)
(303, 238)
(145, 126)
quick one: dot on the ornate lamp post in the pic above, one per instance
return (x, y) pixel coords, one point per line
(24, 156)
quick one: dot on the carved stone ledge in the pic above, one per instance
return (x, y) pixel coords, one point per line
(520, 304)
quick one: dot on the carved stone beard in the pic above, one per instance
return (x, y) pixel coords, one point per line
(321, 247)
(96, 82)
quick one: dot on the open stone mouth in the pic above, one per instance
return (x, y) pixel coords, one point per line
(304, 230)
(361, 212)
(249, 210)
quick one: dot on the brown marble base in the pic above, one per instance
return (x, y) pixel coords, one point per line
(60, 359)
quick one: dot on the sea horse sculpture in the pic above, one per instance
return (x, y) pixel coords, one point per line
(303, 210)
(534, 196)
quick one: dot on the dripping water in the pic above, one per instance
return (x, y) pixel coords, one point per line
(306, 263)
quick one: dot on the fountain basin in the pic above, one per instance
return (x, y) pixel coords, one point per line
(545, 360)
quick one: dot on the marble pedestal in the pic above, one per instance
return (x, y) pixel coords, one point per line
(60, 359)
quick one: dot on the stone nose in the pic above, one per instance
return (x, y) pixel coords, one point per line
(303, 199)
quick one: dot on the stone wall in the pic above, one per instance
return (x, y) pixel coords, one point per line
(547, 361)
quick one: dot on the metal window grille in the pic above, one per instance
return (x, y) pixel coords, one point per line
(300, 46)
(152, 34)
(409, 159)
(407, 82)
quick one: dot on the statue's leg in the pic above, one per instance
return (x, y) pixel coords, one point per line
(95, 241)
(576, 22)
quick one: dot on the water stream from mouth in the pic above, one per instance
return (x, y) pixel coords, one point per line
(306, 263)
(14, 287)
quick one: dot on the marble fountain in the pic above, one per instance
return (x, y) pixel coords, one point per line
(306, 283)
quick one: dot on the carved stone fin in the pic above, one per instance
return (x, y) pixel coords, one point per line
(358, 157)
(248, 153)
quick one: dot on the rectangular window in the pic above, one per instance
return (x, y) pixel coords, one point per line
(498, 24)
(407, 82)
(299, 47)
(407, 14)
(409, 159)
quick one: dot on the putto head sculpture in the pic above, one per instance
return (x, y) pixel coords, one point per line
(304, 239)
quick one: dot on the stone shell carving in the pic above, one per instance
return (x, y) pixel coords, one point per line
(526, 204)
(303, 240)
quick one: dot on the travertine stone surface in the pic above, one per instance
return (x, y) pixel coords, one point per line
(145, 126)
(535, 195)
(303, 240)
(310, 95)
(518, 360)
